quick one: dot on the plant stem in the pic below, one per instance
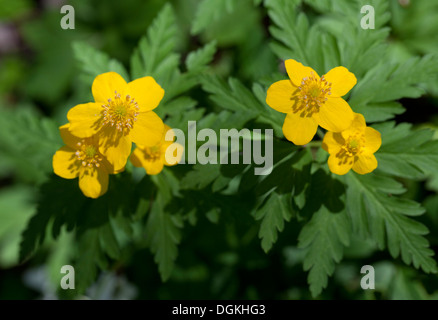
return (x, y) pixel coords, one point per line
(320, 133)
(314, 144)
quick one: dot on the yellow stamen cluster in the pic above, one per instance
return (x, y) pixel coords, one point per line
(88, 155)
(152, 153)
(120, 112)
(351, 148)
(312, 95)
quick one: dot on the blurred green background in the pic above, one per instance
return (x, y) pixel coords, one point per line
(39, 79)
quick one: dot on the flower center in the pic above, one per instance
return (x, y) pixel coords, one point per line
(88, 154)
(353, 145)
(312, 95)
(152, 153)
(120, 112)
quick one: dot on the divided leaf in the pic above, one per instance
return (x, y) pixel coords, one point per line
(272, 214)
(154, 55)
(376, 212)
(324, 236)
(94, 62)
(405, 152)
(163, 234)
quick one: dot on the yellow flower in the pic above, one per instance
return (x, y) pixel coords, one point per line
(81, 158)
(309, 101)
(120, 115)
(353, 148)
(153, 159)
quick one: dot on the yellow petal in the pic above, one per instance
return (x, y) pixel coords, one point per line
(85, 119)
(69, 139)
(365, 163)
(333, 142)
(136, 157)
(65, 163)
(373, 140)
(93, 182)
(335, 115)
(358, 125)
(297, 71)
(171, 133)
(116, 147)
(281, 96)
(146, 92)
(299, 130)
(342, 81)
(106, 84)
(172, 153)
(148, 129)
(152, 166)
(340, 165)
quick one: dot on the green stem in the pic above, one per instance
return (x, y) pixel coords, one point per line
(314, 144)
(320, 133)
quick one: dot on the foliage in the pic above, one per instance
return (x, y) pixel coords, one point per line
(218, 228)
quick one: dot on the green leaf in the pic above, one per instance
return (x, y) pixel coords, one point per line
(288, 29)
(28, 142)
(405, 152)
(376, 212)
(234, 96)
(15, 212)
(388, 81)
(199, 59)
(272, 214)
(201, 176)
(93, 62)
(154, 55)
(90, 258)
(209, 11)
(61, 203)
(163, 234)
(374, 112)
(324, 236)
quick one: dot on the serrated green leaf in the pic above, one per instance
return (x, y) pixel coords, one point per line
(154, 55)
(163, 234)
(209, 11)
(28, 142)
(386, 82)
(200, 177)
(93, 62)
(199, 59)
(15, 211)
(272, 214)
(405, 152)
(384, 217)
(324, 236)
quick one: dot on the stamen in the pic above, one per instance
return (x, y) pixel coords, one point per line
(121, 113)
(88, 154)
(312, 95)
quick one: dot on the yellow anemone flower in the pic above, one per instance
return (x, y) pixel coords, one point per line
(310, 100)
(353, 148)
(121, 114)
(165, 153)
(81, 158)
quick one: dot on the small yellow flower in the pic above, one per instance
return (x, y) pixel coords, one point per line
(353, 148)
(81, 158)
(153, 159)
(309, 101)
(121, 114)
